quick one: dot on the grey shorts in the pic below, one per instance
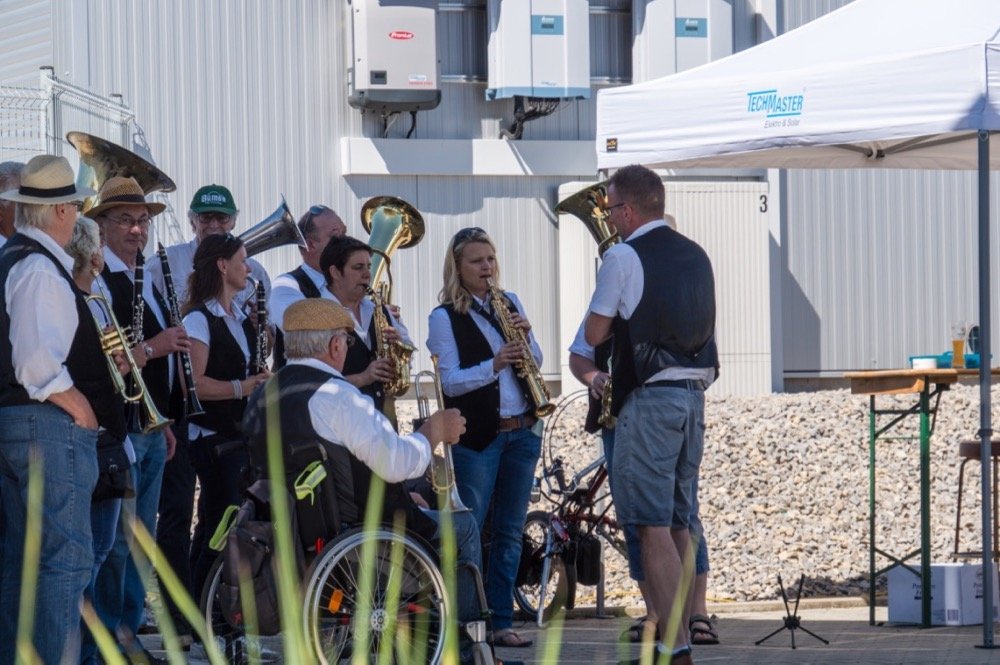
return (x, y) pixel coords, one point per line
(658, 446)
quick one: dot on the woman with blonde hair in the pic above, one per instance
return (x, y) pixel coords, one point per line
(495, 459)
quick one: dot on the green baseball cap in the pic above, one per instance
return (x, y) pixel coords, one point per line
(213, 198)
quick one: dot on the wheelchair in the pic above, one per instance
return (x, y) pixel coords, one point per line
(398, 570)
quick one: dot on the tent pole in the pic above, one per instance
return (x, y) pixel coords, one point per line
(985, 424)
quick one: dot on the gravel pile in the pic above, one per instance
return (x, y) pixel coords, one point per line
(784, 490)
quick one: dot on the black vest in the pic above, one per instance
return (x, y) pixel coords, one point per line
(309, 290)
(86, 363)
(481, 407)
(225, 363)
(359, 357)
(602, 353)
(156, 373)
(674, 323)
(352, 478)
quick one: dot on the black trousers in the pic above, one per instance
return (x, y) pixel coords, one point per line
(173, 531)
(220, 465)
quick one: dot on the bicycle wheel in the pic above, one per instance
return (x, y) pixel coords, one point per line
(530, 588)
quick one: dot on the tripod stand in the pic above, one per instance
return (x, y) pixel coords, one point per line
(792, 621)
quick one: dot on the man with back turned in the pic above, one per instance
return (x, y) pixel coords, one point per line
(656, 293)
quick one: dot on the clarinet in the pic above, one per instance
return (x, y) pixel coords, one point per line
(133, 414)
(192, 407)
(260, 361)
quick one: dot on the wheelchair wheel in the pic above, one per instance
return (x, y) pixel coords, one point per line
(535, 579)
(338, 612)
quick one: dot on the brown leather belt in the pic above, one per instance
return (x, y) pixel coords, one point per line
(523, 421)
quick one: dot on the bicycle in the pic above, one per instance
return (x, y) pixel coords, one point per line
(564, 544)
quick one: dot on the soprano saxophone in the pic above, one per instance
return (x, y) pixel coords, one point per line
(527, 368)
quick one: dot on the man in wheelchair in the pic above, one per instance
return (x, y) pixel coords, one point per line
(323, 417)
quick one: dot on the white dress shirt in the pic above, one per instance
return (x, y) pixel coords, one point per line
(456, 381)
(285, 291)
(197, 329)
(43, 319)
(620, 281)
(115, 264)
(181, 260)
(340, 413)
(580, 346)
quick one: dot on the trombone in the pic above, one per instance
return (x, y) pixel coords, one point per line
(117, 340)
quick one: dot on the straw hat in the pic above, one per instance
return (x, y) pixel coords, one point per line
(47, 179)
(119, 191)
(316, 314)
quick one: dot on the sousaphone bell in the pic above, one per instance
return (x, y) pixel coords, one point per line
(101, 159)
(275, 230)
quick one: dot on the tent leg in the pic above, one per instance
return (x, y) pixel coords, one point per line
(985, 421)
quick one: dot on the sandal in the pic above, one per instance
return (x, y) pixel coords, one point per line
(635, 632)
(506, 637)
(703, 629)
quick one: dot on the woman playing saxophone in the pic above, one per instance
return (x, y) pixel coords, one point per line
(346, 263)
(484, 344)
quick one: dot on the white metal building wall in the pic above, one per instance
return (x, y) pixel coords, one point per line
(26, 36)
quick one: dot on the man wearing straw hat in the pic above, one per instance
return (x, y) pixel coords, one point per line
(55, 391)
(125, 218)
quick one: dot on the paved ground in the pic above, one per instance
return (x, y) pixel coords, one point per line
(852, 640)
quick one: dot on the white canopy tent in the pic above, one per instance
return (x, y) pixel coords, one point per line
(902, 84)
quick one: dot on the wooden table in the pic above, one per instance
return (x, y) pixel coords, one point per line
(925, 384)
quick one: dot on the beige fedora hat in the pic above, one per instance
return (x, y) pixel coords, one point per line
(47, 179)
(121, 191)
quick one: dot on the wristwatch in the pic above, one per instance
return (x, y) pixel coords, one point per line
(147, 349)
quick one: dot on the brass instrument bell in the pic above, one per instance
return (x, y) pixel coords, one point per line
(101, 159)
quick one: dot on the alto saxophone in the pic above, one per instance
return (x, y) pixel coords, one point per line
(398, 353)
(527, 368)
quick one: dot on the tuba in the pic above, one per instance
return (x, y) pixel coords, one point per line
(117, 339)
(392, 224)
(277, 229)
(442, 468)
(101, 159)
(588, 205)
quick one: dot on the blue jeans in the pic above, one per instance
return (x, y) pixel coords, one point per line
(104, 523)
(502, 473)
(68, 455)
(119, 594)
(467, 551)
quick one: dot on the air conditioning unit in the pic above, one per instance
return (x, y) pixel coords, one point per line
(394, 55)
(539, 48)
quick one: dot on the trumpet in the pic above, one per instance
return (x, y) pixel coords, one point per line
(442, 469)
(116, 339)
